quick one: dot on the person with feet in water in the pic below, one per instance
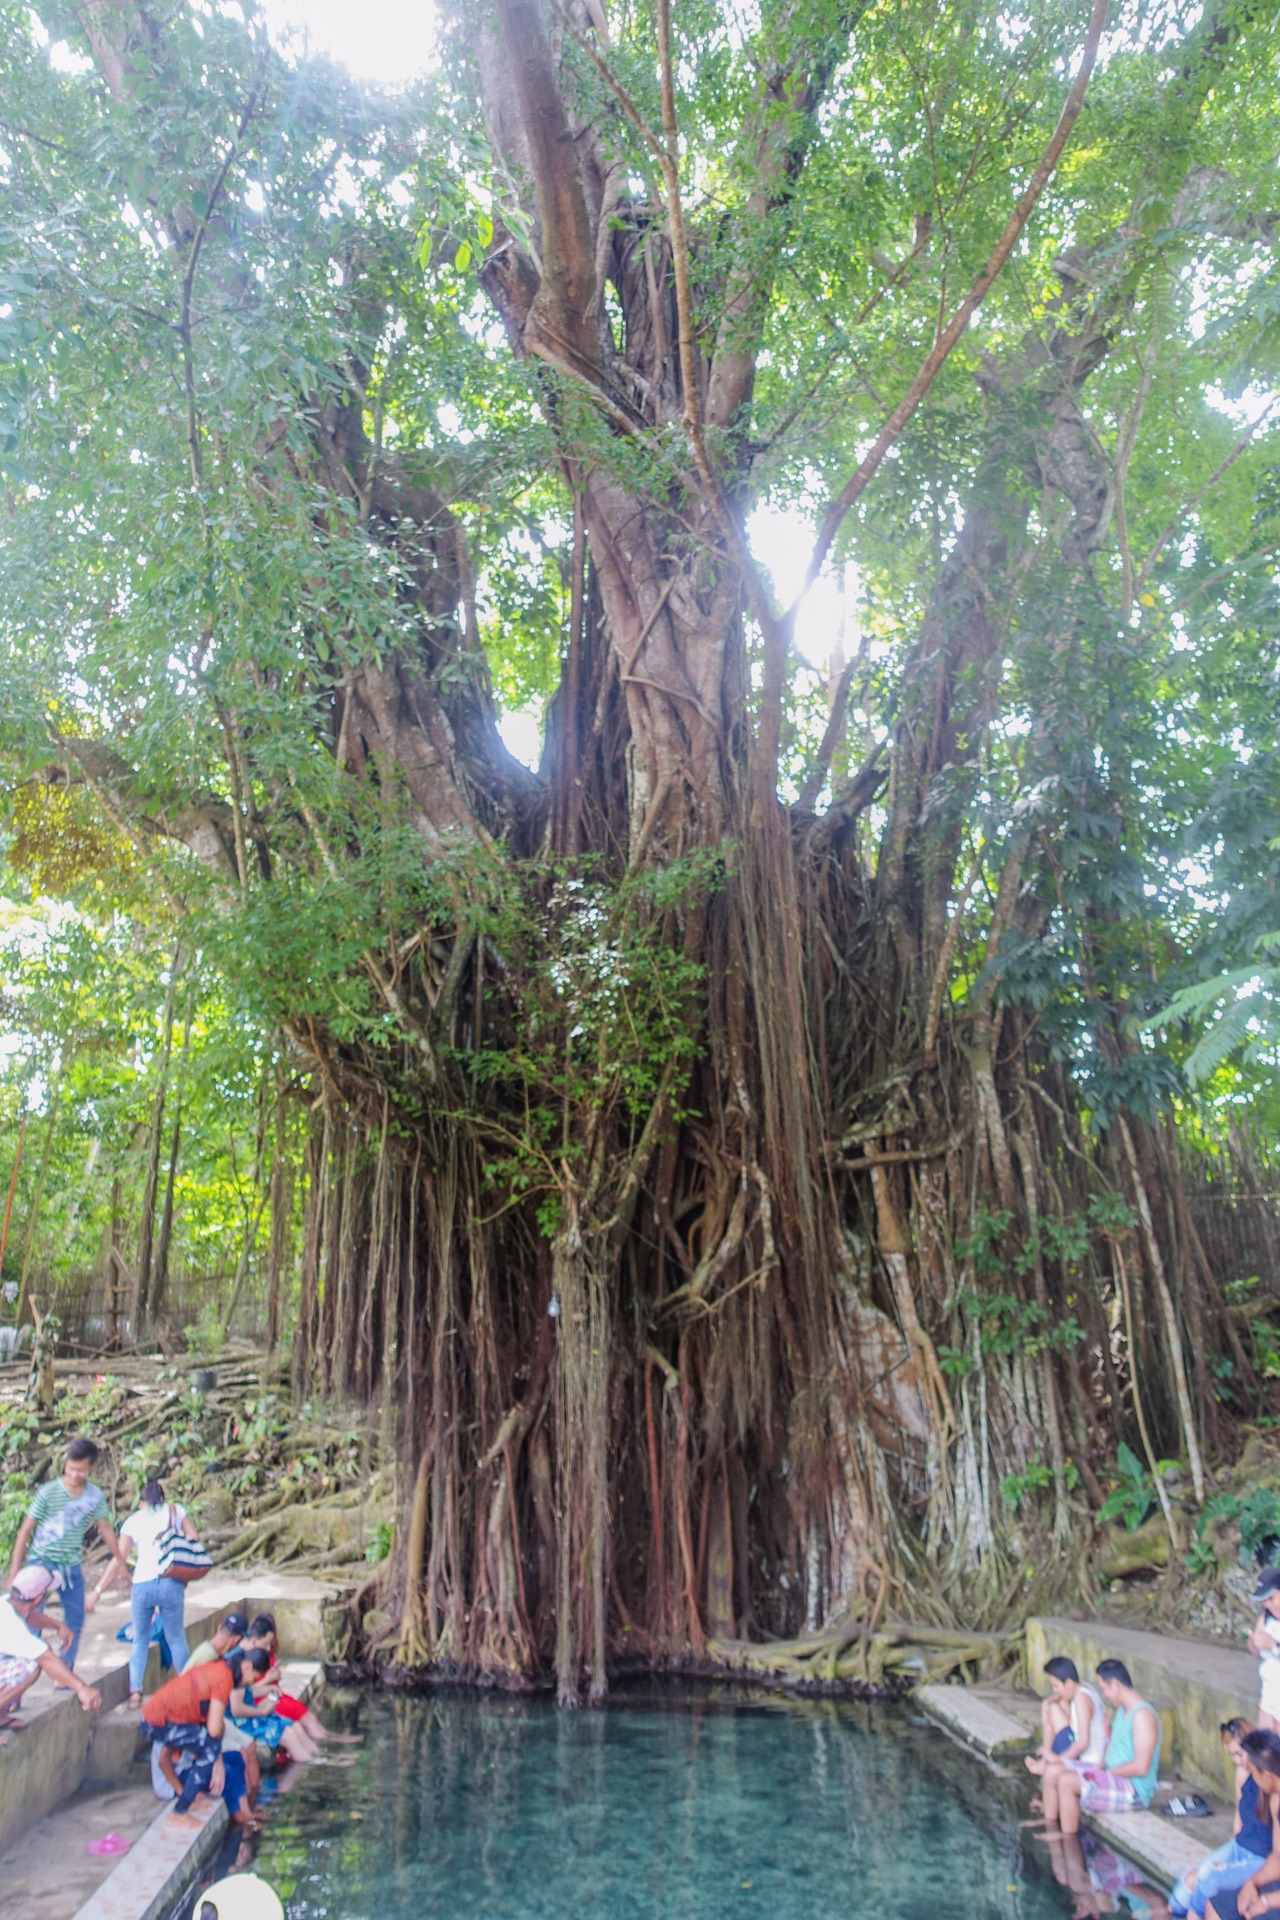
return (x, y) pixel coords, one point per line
(1237, 1859)
(1260, 1893)
(262, 1633)
(1127, 1777)
(1073, 1722)
(224, 1639)
(255, 1713)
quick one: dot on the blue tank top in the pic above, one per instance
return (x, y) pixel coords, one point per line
(1255, 1819)
(1120, 1750)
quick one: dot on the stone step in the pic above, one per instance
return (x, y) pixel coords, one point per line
(1163, 1849)
(977, 1719)
(158, 1868)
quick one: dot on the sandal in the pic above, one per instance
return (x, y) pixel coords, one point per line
(1191, 1806)
(12, 1723)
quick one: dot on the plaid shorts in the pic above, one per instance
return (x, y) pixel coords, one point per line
(1103, 1792)
(15, 1672)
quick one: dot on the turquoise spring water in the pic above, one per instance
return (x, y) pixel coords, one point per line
(671, 1804)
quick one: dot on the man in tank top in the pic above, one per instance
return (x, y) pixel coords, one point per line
(1072, 1720)
(1127, 1777)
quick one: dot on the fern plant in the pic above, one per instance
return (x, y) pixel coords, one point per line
(1242, 1008)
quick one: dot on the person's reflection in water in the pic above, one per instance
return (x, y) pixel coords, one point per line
(1100, 1882)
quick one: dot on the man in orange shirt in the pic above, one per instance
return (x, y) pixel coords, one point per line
(187, 1715)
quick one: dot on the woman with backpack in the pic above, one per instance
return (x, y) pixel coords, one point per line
(145, 1535)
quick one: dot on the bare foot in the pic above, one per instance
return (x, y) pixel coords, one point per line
(346, 1739)
(1033, 1763)
(189, 1820)
(135, 1701)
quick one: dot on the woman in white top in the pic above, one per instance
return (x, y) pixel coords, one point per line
(1265, 1642)
(152, 1593)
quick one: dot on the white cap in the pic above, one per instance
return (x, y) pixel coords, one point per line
(33, 1583)
(241, 1896)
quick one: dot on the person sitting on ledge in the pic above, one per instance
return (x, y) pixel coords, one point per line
(1127, 1777)
(1072, 1720)
(255, 1712)
(187, 1715)
(1260, 1893)
(1237, 1859)
(262, 1633)
(223, 1640)
(24, 1655)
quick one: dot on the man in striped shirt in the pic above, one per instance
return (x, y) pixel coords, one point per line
(60, 1515)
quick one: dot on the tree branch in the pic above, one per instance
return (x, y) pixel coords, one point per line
(947, 338)
(568, 248)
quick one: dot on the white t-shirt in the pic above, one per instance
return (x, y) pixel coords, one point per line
(1096, 1749)
(17, 1641)
(144, 1529)
(1269, 1626)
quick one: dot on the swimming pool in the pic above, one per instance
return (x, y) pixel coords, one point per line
(673, 1803)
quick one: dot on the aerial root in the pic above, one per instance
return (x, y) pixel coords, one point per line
(897, 1653)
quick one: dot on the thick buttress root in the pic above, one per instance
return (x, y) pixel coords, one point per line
(894, 1656)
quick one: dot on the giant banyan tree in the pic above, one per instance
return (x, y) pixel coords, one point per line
(733, 1149)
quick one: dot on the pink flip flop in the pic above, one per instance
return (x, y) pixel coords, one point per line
(108, 1844)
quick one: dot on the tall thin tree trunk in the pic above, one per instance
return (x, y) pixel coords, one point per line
(281, 1218)
(146, 1224)
(33, 1218)
(164, 1242)
(1168, 1312)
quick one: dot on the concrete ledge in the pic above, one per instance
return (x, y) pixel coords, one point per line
(977, 1722)
(158, 1869)
(1164, 1849)
(1200, 1683)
